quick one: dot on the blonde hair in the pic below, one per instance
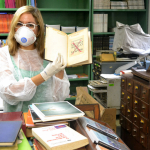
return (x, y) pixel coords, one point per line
(12, 44)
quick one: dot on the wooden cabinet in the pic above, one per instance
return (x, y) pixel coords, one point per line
(135, 111)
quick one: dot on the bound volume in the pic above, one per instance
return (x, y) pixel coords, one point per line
(59, 137)
(75, 47)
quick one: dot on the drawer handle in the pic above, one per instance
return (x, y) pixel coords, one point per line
(128, 110)
(134, 130)
(122, 93)
(136, 87)
(129, 84)
(122, 80)
(142, 121)
(135, 116)
(135, 101)
(142, 137)
(122, 106)
(128, 97)
(143, 107)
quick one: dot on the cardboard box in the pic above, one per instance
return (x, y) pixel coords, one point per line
(107, 115)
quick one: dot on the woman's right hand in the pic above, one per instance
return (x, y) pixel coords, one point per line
(54, 67)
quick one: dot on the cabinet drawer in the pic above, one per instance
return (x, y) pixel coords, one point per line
(145, 94)
(123, 83)
(123, 95)
(128, 125)
(143, 109)
(143, 139)
(123, 121)
(129, 113)
(144, 125)
(137, 89)
(123, 108)
(136, 118)
(128, 99)
(135, 103)
(135, 132)
(130, 85)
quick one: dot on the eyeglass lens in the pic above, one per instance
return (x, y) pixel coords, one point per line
(29, 25)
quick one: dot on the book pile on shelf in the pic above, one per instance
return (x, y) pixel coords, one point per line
(12, 3)
(119, 5)
(5, 21)
(101, 4)
(100, 23)
(101, 135)
(136, 4)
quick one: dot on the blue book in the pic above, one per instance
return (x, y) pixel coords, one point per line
(32, 3)
(8, 132)
(105, 141)
(98, 127)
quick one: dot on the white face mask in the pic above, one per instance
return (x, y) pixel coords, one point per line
(25, 36)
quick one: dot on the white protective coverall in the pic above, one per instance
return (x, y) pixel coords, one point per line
(16, 87)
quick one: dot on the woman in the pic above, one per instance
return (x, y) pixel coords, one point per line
(26, 78)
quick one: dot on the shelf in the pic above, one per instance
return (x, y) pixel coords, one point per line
(104, 33)
(125, 10)
(79, 79)
(52, 9)
(8, 9)
(3, 34)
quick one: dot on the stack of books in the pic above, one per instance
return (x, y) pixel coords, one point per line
(136, 4)
(12, 3)
(50, 113)
(100, 23)
(101, 4)
(101, 135)
(119, 5)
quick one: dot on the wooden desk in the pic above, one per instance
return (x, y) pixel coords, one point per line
(91, 146)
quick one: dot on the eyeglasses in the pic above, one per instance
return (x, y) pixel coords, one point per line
(29, 25)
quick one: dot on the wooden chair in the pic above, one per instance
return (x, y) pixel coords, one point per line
(90, 107)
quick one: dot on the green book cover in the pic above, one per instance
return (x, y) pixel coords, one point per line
(57, 108)
(24, 145)
(2, 3)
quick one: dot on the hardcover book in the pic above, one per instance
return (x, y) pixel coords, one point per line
(98, 127)
(8, 132)
(50, 111)
(59, 137)
(105, 141)
(75, 48)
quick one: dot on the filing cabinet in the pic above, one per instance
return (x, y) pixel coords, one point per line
(135, 111)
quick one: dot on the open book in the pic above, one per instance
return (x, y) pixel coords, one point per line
(75, 47)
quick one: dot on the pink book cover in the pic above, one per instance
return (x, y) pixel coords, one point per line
(6, 3)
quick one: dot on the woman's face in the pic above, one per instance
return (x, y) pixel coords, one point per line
(28, 18)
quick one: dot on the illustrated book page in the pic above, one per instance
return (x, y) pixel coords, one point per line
(75, 48)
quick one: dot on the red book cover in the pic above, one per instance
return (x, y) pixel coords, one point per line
(6, 4)
(82, 75)
(36, 142)
(1, 23)
(14, 116)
